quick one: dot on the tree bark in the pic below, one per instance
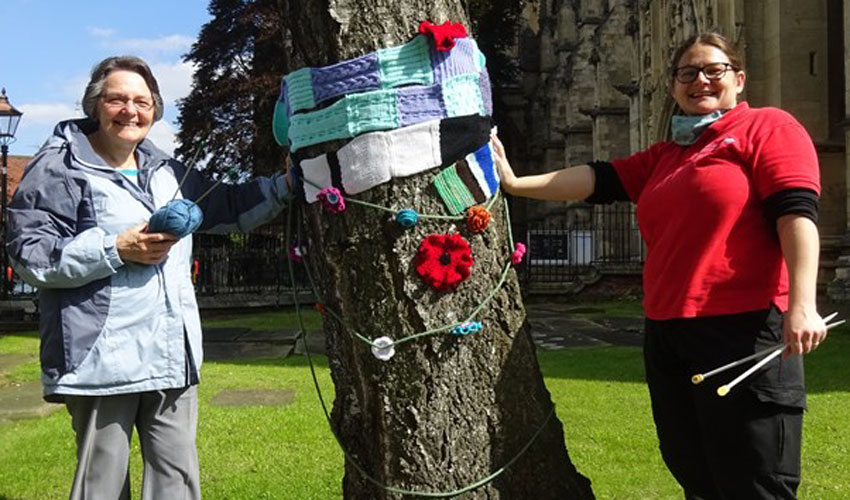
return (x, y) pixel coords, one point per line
(445, 411)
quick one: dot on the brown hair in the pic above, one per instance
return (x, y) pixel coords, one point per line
(126, 63)
(708, 38)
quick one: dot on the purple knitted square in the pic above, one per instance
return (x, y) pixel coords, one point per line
(346, 77)
(458, 61)
(417, 104)
(484, 85)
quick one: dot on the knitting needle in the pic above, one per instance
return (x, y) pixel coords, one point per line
(699, 377)
(724, 389)
(190, 166)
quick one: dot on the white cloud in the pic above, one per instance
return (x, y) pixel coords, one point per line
(175, 80)
(48, 113)
(166, 44)
(164, 135)
(100, 32)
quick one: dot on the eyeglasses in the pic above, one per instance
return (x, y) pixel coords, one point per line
(119, 101)
(713, 71)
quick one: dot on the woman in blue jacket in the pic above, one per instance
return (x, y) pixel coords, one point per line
(120, 332)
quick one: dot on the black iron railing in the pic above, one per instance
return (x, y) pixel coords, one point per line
(244, 263)
(584, 240)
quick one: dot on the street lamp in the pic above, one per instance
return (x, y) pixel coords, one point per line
(9, 118)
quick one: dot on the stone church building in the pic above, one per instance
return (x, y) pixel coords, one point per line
(594, 85)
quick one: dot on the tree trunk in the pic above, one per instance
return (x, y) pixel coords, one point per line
(445, 411)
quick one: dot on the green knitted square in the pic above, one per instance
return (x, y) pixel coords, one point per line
(453, 191)
(406, 64)
(462, 96)
(299, 90)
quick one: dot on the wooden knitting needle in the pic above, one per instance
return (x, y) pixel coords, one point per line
(724, 389)
(699, 377)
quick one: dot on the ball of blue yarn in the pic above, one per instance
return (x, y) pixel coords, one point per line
(177, 217)
(407, 217)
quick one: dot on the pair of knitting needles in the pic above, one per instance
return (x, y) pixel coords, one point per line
(768, 354)
(191, 166)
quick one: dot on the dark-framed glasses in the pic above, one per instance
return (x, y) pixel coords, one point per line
(119, 101)
(713, 71)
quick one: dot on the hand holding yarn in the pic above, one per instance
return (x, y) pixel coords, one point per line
(139, 244)
(178, 217)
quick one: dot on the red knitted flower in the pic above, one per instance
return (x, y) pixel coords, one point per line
(477, 218)
(443, 261)
(443, 34)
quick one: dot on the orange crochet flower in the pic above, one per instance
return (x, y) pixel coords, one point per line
(477, 218)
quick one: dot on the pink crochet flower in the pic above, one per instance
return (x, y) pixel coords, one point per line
(332, 200)
(519, 252)
(296, 253)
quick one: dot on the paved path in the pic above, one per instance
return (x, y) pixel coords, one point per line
(553, 326)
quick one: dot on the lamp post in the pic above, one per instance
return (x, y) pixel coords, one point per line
(9, 118)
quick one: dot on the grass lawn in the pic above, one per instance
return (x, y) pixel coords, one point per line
(289, 453)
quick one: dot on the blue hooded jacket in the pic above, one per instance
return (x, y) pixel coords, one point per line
(108, 326)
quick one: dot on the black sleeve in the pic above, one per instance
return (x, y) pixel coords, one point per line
(608, 188)
(792, 201)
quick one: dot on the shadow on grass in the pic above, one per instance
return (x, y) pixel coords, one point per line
(827, 369)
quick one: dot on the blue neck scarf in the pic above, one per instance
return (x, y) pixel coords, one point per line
(687, 129)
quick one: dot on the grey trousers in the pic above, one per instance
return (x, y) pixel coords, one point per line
(167, 425)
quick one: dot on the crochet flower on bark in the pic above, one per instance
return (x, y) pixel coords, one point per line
(477, 218)
(467, 328)
(443, 34)
(519, 252)
(332, 200)
(407, 217)
(296, 253)
(443, 261)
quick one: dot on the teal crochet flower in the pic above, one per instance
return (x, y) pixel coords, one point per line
(406, 217)
(466, 328)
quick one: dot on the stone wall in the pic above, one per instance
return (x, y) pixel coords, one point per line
(595, 84)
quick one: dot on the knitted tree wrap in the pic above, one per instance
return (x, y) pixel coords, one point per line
(178, 217)
(443, 261)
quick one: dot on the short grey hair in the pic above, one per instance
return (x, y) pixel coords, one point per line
(94, 89)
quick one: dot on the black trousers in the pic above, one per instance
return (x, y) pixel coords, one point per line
(745, 445)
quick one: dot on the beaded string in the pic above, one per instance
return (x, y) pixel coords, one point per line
(349, 457)
(355, 201)
(437, 330)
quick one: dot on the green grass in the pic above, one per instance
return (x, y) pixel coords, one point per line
(289, 453)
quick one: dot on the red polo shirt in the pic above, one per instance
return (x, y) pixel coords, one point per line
(711, 250)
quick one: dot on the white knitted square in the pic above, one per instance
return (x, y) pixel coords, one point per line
(415, 148)
(317, 171)
(364, 162)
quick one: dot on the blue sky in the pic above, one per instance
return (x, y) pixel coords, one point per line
(48, 48)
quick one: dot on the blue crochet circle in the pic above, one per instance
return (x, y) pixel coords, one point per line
(466, 328)
(407, 217)
(177, 217)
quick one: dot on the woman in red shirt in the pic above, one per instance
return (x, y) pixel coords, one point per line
(728, 210)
